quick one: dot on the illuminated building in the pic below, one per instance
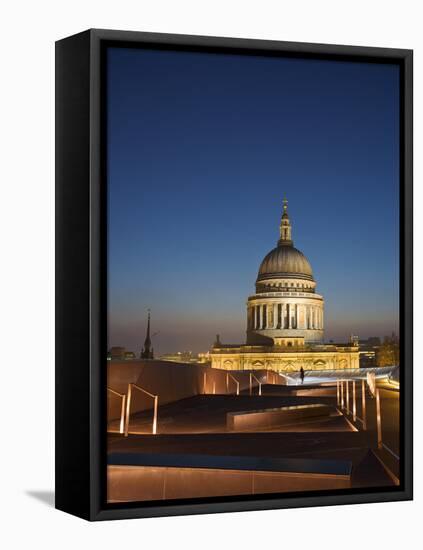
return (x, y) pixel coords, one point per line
(285, 318)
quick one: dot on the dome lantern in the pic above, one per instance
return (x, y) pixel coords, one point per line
(285, 261)
(285, 229)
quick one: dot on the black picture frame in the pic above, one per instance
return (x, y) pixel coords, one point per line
(81, 247)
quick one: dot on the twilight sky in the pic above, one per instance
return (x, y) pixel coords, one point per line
(201, 150)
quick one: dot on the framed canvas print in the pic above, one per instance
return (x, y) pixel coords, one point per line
(234, 274)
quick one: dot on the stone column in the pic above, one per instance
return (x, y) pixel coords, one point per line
(275, 315)
(264, 325)
(288, 309)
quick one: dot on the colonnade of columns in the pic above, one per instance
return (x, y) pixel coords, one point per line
(285, 316)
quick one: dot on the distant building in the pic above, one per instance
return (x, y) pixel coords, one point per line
(180, 357)
(355, 340)
(147, 351)
(187, 357)
(372, 342)
(204, 358)
(116, 352)
(285, 318)
(367, 358)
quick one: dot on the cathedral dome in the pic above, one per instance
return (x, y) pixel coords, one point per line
(285, 261)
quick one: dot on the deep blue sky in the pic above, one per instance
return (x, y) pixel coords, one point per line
(201, 150)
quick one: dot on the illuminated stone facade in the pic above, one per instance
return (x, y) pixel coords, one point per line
(285, 318)
(285, 358)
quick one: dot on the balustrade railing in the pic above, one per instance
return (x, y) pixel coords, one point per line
(251, 383)
(128, 407)
(122, 397)
(234, 379)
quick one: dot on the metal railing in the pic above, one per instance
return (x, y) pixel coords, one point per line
(317, 377)
(128, 407)
(228, 374)
(371, 382)
(251, 383)
(343, 399)
(122, 397)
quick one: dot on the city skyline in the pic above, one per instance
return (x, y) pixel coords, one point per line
(196, 187)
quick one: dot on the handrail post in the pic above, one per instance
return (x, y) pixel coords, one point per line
(128, 408)
(204, 382)
(214, 387)
(342, 394)
(337, 392)
(236, 382)
(122, 398)
(378, 420)
(347, 395)
(354, 402)
(227, 383)
(363, 403)
(122, 416)
(258, 382)
(251, 384)
(156, 402)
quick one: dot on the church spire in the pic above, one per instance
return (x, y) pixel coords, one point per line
(147, 350)
(285, 227)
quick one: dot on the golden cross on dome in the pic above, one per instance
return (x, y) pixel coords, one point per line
(285, 203)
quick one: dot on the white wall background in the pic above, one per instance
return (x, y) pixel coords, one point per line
(28, 31)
